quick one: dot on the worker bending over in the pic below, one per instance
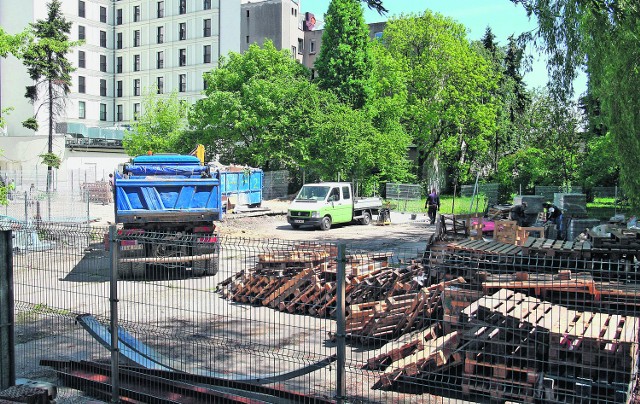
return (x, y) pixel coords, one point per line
(554, 215)
(518, 214)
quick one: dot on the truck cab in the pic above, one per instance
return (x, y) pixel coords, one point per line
(327, 203)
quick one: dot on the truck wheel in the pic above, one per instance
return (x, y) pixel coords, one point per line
(212, 267)
(326, 223)
(295, 226)
(366, 218)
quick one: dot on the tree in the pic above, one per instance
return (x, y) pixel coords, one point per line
(602, 37)
(13, 44)
(376, 5)
(257, 109)
(450, 110)
(159, 127)
(48, 67)
(343, 64)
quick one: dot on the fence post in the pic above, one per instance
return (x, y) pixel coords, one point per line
(341, 327)
(113, 300)
(7, 348)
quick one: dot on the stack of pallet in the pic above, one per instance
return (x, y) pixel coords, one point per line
(425, 360)
(592, 356)
(504, 352)
(377, 321)
(520, 348)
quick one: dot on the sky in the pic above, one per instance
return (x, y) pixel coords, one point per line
(504, 18)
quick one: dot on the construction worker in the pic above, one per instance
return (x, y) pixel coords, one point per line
(518, 214)
(432, 205)
(553, 214)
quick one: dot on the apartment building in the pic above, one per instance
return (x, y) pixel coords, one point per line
(130, 47)
(277, 20)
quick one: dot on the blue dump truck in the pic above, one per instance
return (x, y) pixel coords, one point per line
(166, 206)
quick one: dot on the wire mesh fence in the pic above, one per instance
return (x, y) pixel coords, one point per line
(284, 321)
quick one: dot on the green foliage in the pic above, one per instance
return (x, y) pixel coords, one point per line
(31, 123)
(343, 63)
(258, 109)
(3, 113)
(450, 111)
(601, 36)
(13, 44)
(51, 160)
(160, 127)
(600, 166)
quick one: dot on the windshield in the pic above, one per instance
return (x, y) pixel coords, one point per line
(313, 193)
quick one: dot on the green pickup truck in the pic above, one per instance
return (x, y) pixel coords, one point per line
(326, 203)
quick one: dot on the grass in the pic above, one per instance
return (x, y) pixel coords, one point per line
(605, 208)
(447, 205)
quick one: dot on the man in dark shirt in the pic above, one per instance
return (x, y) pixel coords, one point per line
(432, 205)
(518, 214)
(554, 215)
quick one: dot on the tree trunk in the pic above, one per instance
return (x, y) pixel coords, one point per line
(49, 168)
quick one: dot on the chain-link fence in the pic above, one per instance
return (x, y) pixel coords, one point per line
(285, 321)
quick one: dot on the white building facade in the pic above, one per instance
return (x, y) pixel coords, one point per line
(130, 47)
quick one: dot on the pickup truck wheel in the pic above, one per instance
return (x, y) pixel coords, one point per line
(325, 224)
(366, 218)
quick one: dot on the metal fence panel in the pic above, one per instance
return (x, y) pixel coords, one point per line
(275, 184)
(548, 191)
(480, 320)
(403, 191)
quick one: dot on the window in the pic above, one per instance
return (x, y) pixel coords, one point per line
(81, 9)
(103, 112)
(160, 9)
(136, 111)
(334, 195)
(119, 112)
(206, 27)
(81, 59)
(160, 84)
(82, 110)
(136, 37)
(160, 34)
(247, 38)
(312, 47)
(182, 83)
(293, 51)
(103, 87)
(136, 87)
(183, 31)
(160, 60)
(119, 40)
(206, 52)
(103, 39)
(103, 63)
(136, 63)
(345, 193)
(119, 64)
(183, 7)
(300, 45)
(103, 14)
(81, 32)
(119, 88)
(119, 16)
(81, 85)
(206, 5)
(136, 13)
(205, 83)
(182, 57)
(247, 13)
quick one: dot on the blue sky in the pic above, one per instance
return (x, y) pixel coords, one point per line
(502, 16)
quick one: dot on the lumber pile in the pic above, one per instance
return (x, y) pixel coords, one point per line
(396, 315)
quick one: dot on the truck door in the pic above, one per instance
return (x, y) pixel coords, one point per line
(340, 210)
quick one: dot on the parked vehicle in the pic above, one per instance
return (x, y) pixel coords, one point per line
(242, 184)
(166, 206)
(327, 203)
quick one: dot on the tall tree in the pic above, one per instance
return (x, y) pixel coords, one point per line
(376, 5)
(48, 67)
(601, 36)
(450, 110)
(343, 63)
(159, 127)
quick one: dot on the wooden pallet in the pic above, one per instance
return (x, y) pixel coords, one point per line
(482, 247)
